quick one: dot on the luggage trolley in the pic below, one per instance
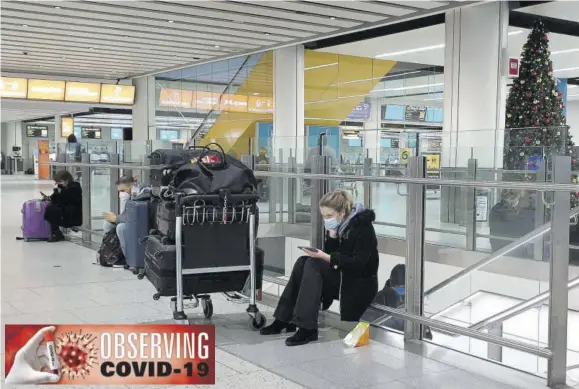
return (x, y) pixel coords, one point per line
(215, 241)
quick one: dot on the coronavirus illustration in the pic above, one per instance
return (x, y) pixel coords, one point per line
(77, 353)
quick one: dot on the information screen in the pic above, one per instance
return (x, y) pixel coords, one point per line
(90, 133)
(415, 113)
(36, 131)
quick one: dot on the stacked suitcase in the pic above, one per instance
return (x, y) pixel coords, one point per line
(202, 243)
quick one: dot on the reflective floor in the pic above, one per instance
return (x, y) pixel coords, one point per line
(59, 283)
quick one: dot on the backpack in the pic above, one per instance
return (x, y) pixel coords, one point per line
(110, 252)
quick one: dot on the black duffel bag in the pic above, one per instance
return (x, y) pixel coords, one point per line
(171, 160)
(212, 172)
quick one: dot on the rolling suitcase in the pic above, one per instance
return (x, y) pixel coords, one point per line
(160, 257)
(165, 219)
(34, 227)
(137, 227)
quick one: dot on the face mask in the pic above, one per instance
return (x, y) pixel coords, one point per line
(60, 186)
(400, 290)
(331, 224)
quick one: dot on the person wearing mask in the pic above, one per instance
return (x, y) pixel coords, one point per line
(346, 269)
(65, 205)
(127, 187)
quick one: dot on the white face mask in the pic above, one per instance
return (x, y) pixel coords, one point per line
(124, 195)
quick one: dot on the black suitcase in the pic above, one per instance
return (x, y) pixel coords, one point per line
(160, 258)
(165, 219)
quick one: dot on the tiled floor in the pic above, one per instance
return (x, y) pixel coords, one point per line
(58, 283)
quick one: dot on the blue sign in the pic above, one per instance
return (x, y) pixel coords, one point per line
(361, 112)
(411, 140)
(168, 135)
(562, 87)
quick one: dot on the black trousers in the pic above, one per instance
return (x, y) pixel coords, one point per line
(53, 215)
(312, 281)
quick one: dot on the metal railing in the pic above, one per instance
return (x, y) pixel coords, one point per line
(413, 312)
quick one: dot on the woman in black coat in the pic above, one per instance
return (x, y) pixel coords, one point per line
(65, 207)
(347, 270)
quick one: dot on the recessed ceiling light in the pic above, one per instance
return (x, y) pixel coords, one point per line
(256, 94)
(217, 46)
(171, 21)
(332, 17)
(267, 33)
(91, 48)
(57, 7)
(25, 25)
(416, 50)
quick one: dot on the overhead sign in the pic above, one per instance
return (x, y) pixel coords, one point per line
(14, 88)
(33, 131)
(207, 101)
(66, 127)
(117, 94)
(83, 92)
(176, 98)
(46, 90)
(415, 113)
(361, 112)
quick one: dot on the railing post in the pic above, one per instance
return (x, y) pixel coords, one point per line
(114, 175)
(86, 203)
(559, 297)
(470, 215)
(538, 246)
(280, 186)
(495, 352)
(367, 171)
(272, 186)
(319, 188)
(415, 203)
(292, 189)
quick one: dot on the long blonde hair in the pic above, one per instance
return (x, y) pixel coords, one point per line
(338, 200)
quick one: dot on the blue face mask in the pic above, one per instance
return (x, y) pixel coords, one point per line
(399, 290)
(331, 224)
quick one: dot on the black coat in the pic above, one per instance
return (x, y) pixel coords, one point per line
(355, 255)
(69, 200)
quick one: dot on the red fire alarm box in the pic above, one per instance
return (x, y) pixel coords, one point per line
(513, 67)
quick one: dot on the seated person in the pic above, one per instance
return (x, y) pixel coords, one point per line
(65, 207)
(126, 186)
(347, 270)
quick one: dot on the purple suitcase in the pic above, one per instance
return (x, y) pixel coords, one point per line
(34, 227)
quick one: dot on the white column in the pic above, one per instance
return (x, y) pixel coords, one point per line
(288, 91)
(371, 134)
(57, 129)
(144, 109)
(474, 84)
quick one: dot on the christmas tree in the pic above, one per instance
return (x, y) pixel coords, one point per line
(535, 125)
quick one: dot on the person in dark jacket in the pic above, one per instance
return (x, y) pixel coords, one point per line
(346, 270)
(65, 207)
(512, 217)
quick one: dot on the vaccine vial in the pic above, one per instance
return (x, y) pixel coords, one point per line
(53, 363)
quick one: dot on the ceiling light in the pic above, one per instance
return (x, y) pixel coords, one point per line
(25, 25)
(171, 21)
(91, 48)
(565, 69)
(408, 87)
(417, 50)
(256, 94)
(267, 33)
(564, 51)
(517, 32)
(433, 98)
(217, 46)
(57, 7)
(322, 66)
(332, 18)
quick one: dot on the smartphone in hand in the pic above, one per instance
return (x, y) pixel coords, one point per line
(44, 196)
(313, 250)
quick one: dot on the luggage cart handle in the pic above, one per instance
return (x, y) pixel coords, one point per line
(231, 198)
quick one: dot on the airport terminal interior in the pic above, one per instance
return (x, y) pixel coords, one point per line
(454, 121)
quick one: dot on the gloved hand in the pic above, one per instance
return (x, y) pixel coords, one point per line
(30, 360)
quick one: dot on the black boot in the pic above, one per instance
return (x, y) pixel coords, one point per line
(56, 236)
(301, 337)
(277, 327)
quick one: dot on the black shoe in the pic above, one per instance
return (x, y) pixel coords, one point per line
(301, 337)
(277, 327)
(56, 237)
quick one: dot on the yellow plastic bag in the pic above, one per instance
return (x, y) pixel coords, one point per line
(359, 336)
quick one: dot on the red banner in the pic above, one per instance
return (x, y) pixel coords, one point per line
(135, 354)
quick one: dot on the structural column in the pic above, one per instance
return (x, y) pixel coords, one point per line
(288, 91)
(474, 84)
(144, 109)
